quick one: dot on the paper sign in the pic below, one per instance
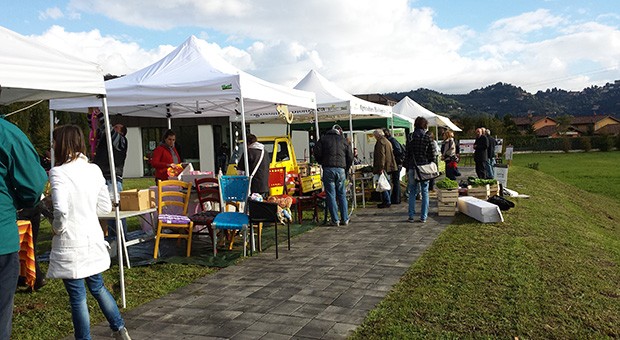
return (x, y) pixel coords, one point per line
(508, 154)
(501, 174)
(466, 145)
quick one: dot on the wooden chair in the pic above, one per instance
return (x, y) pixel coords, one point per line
(208, 191)
(172, 202)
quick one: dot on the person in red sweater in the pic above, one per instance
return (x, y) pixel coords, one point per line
(165, 156)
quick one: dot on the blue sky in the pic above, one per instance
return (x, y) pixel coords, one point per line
(364, 46)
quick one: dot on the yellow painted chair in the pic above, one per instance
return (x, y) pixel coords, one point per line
(172, 201)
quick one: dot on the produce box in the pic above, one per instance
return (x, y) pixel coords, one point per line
(494, 188)
(447, 195)
(446, 202)
(132, 200)
(481, 192)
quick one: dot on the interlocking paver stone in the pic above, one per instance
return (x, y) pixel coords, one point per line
(322, 288)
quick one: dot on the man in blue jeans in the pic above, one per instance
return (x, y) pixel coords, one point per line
(336, 157)
(22, 180)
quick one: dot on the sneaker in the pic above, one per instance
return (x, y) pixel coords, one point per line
(333, 224)
(421, 221)
(411, 220)
(345, 222)
(382, 206)
(121, 334)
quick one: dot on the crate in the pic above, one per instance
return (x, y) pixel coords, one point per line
(446, 210)
(494, 188)
(446, 201)
(481, 192)
(447, 195)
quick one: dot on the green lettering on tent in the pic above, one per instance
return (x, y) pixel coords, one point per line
(227, 87)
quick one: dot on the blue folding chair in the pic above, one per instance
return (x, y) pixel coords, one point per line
(233, 191)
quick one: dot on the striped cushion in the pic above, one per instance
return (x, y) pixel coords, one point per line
(174, 219)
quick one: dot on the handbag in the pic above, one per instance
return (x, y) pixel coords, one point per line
(427, 171)
(383, 184)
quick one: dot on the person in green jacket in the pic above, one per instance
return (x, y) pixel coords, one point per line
(22, 180)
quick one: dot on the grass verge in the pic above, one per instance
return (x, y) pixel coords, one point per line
(595, 172)
(550, 271)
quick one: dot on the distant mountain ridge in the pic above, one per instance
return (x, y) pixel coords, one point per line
(505, 99)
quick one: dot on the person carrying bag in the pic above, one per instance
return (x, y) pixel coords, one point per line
(420, 168)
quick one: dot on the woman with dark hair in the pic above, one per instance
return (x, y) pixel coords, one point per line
(164, 156)
(419, 152)
(79, 252)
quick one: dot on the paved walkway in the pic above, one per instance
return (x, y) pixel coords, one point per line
(322, 288)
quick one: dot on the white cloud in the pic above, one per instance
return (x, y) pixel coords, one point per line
(53, 13)
(115, 56)
(361, 46)
(528, 22)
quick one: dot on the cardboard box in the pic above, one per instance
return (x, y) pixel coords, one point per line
(132, 200)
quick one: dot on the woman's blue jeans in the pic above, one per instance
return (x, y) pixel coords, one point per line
(79, 307)
(333, 181)
(414, 187)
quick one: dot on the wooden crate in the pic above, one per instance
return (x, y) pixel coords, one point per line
(494, 189)
(481, 192)
(446, 202)
(446, 209)
(447, 194)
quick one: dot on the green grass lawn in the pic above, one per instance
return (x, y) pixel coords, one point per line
(552, 270)
(596, 172)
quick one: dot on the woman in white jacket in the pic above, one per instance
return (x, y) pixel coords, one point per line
(79, 252)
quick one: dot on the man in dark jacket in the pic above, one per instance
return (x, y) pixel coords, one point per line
(119, 151)
(490, 154)
(480, 153)
(399, 157)
(258, 161)
(335, 156)
(419, 152)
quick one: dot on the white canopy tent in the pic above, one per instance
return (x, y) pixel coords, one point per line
(30, 71)
(334, 103)
(409, 108)
(193, 81)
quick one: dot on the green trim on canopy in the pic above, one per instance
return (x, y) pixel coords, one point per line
(358, 124)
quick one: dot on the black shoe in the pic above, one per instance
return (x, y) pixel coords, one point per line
(382, 206)
(39, 284)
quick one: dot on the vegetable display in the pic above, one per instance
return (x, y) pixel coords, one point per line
(477, 182)
(447, 183)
